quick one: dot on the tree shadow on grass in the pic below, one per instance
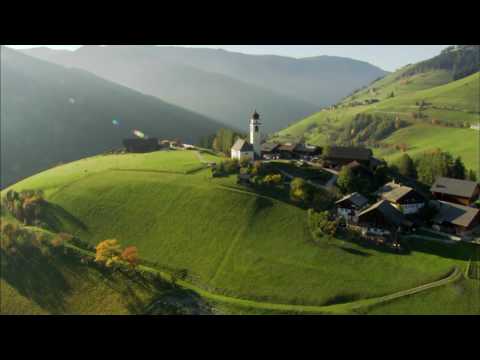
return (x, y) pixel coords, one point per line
(341, 299)
(55, 217)
(36, 277)
(178, 301)
(355, 251)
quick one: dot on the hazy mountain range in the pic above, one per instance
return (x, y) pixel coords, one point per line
(52, 114)
(223, 85)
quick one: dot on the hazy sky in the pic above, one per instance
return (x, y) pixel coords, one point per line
(388, 57)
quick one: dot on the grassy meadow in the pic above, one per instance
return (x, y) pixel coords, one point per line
(451, 101)
(231, 241)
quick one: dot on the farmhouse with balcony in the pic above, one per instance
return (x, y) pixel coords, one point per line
(338, 156)
(404, 198)
(462, 192)
(382, 218)
(455, 218)
(350, 206)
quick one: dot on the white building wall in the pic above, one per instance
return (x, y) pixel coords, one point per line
(236, 154)
(412, 208)
(255, 137)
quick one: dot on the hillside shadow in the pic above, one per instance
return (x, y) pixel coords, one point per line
(55, 216)
(459, 251)
(262, 203)
(37, 278)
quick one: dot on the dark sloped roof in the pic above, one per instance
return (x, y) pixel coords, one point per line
(354, 153)
(242, 145)
(288, 147)
(268, 147)
(388, 211)
(307, 148)
(455, 214)
(356, 198)
(456, 187)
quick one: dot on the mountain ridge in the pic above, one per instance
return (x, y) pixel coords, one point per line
(299, 86)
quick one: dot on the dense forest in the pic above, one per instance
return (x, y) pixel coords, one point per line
(460, 60)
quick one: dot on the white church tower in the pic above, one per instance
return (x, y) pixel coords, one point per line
(255, 134)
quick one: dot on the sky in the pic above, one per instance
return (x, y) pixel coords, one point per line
(387, 57)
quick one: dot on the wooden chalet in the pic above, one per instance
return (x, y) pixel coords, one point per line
(287, 151)
(141, 145)
(350, 206)
(455, 218)
(383, 217)
(270, 150)
(462, 192)
(339, 156)
(304, 150)
(404, 198)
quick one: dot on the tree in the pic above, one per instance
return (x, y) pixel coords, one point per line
(244, 161)
(472, 176)
(320, 224)
(322, 200)
(346, 180)
(299, 191)
(130, 255)
(406, 167)
(108, 252)
(381, 175)
(458, 170)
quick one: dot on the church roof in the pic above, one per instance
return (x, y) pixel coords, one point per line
(242, 145)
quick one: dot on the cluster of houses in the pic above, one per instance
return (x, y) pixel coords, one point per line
(395, 205)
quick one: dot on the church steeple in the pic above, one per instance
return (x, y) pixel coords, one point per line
(255, 134)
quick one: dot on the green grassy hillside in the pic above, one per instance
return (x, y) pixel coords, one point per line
(231, 241)
(449, 108)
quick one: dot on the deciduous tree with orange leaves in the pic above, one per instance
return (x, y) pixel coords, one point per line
(130, 255)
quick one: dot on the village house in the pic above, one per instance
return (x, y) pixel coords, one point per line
(382, 218)
(338, 156)
(455, 218)
(242, 149)
(350, 206)
(287, 151)
(404, 198)
(463, 192)
(270, 151)
(307, 151)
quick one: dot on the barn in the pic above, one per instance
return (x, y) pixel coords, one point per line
(462, 192)
(141, 145)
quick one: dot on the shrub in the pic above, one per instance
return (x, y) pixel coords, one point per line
(299, 190)
(321, 224)
(108, 252)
